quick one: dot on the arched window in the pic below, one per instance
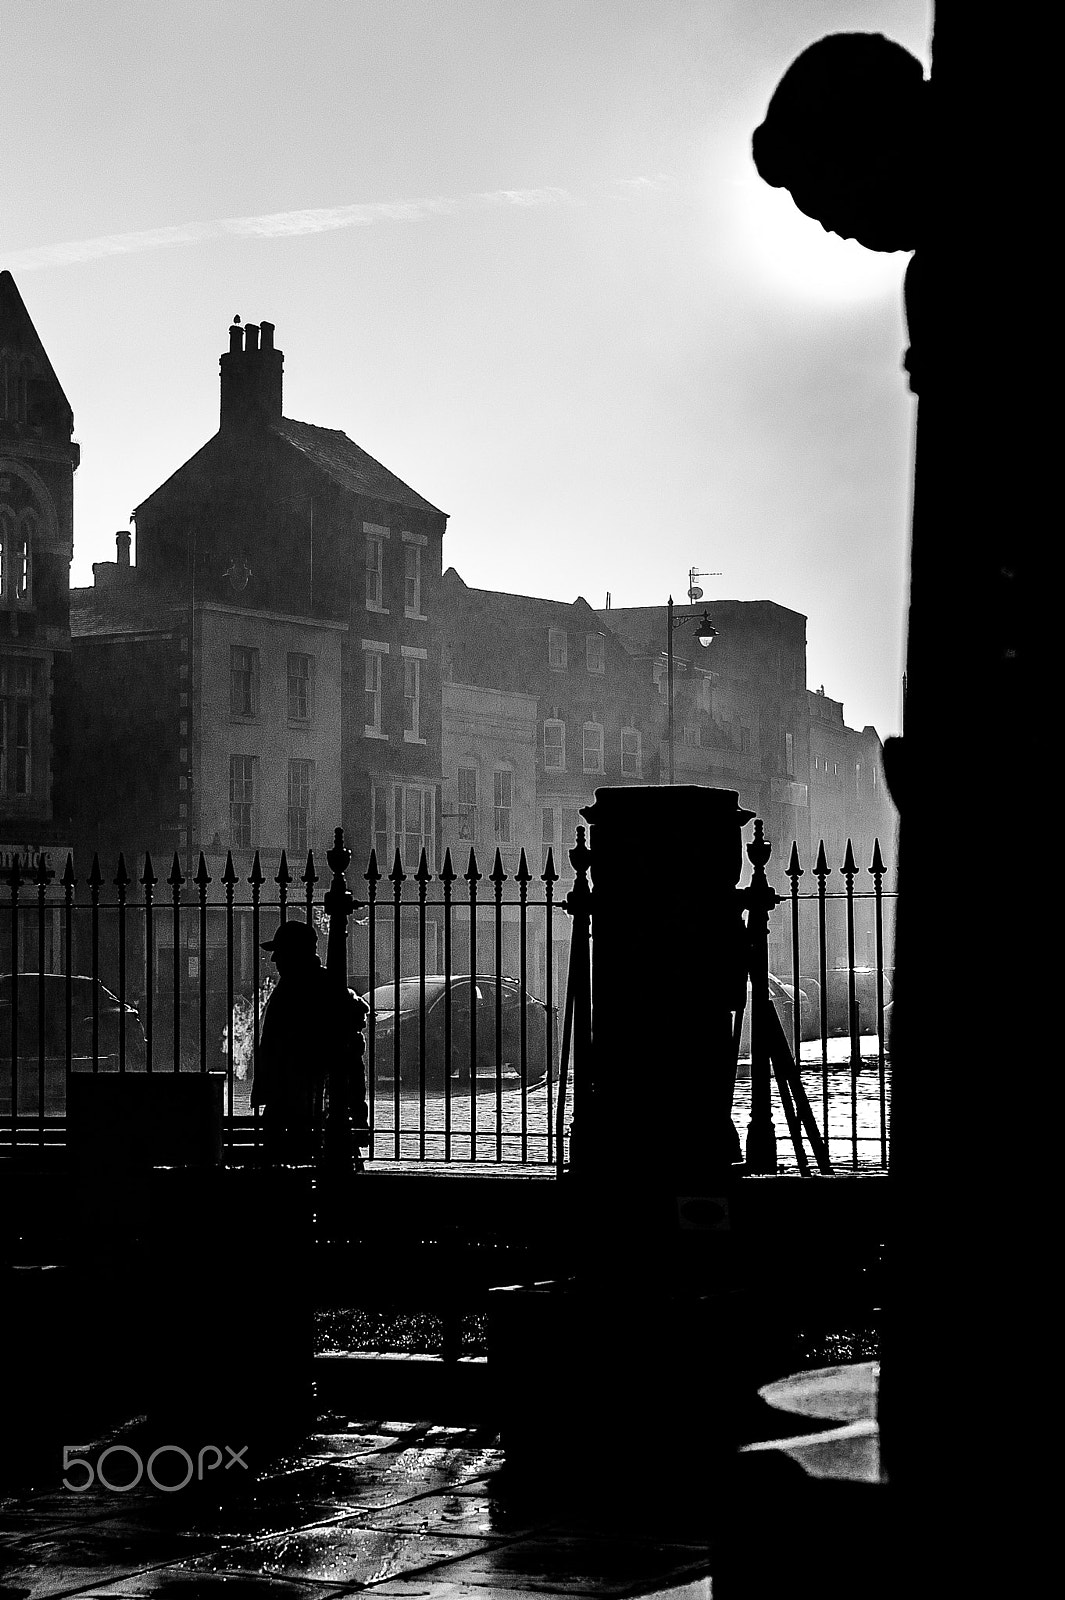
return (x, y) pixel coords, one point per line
(18, 534)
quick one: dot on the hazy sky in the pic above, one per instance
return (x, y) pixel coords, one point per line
(516, 249)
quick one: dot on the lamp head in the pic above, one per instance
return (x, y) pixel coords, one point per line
(706, 633)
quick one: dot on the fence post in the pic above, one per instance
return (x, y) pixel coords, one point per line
(339, 1137)
(759, 900)
(578, 903)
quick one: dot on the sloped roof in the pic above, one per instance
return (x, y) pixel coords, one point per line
(18, 328)
(512, 610)
(333, 453)
(121, 609)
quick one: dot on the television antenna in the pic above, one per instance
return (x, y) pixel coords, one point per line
(694, 591)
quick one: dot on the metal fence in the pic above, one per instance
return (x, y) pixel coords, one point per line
(464, 973)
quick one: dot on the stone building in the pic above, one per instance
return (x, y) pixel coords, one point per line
(38, 458)
(296, 578)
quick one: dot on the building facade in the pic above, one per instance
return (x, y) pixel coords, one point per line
(38, 458)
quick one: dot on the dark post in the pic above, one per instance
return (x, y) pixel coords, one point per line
(680, 1051)
(340, 1137)
(759, 899)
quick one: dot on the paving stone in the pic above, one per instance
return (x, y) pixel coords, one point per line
(345, 1552)
(600, 1567)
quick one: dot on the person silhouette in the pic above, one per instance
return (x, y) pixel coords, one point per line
(848, 133)
(309, 1078)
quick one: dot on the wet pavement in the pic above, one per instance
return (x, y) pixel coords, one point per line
(386, 1508)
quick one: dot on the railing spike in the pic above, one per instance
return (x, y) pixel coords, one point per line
(472, 874)
(794, 869)
(42, 876)
(229, 872)
(821, 866)
(523, 875)
(850, 866)
(177, 877)
(447, 871)
(203, 877)
(497, 875)
(69, 880)
(423, 875)
(148, 877)
(549, 875)
(373, 871)
(397, 875)
(283, 875)
(877, 865)
(310, 874)
(96, 877)
(256, 877)
(122, 877)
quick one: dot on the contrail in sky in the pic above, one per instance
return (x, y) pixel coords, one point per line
(281, 225)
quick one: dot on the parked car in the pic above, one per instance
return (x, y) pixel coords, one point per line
(52, 1047)
(837, 997)
(783, 997)
(492, 1062)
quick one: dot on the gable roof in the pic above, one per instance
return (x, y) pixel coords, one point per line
(341, 459)
(18, 332)
(517, 610)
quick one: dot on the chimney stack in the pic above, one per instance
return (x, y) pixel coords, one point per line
(123, 538)
(251, 376)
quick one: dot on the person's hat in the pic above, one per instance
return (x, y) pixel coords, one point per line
(292, 938)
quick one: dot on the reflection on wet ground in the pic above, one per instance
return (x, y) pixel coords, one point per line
(392, 1509)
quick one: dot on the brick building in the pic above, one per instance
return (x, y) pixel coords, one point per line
(38, 458)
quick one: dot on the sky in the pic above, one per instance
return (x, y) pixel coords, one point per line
(516, 249)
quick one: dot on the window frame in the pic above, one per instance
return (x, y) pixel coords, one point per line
(252, 673)
(598, 753)
(242, 838)
(598, 664)
(300, 841)
(636, 770)
(294, 679)
(560, 765)
(503, 805)
(374, 652)
(375, 536)
(557, 649)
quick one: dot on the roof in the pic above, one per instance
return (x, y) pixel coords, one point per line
(121, 609)
(341, 459)
(511, 609)
(16, 320)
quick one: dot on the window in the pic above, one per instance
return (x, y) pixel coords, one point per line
(467, 802)
(554, 746)
(243, 801)
(593, 747)
(630, 752)
(373, 673)
(17, 537)
(504, 800)
(556, 647)
(17, 683)
(375, 565)
(412, 578)
(412, 694)
(243, 680)
(559, 834)
(404, 820)
(300, 806)
(595, 652)
(547, 822)
(15, 373)
(300, 688)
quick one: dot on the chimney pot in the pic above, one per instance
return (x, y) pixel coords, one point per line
(236, 339)
(266, 330)
(251, 336)
(122, 539)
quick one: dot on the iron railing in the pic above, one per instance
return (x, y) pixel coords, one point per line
(465, 976)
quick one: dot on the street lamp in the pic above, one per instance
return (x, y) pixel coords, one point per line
(706, 633)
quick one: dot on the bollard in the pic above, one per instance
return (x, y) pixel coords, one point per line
(666, 980)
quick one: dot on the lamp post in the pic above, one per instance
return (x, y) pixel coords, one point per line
(706, 633)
